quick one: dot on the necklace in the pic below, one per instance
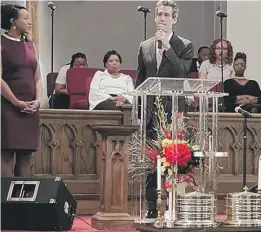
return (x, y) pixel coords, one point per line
(220, 66)
(113, 76)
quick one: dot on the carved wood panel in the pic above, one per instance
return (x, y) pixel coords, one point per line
(69, 148)
(230, 139)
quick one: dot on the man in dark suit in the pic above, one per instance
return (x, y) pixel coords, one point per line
(164, 55)
(203, 54)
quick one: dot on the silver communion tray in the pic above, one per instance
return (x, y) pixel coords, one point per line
(195, 209)
(243, 209)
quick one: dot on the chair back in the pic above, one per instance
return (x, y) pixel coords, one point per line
(193, 75)
(50, 79)
(76, 83)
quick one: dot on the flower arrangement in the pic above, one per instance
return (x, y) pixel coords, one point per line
(176, 145)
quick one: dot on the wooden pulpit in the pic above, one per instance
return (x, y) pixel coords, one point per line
(113, 214)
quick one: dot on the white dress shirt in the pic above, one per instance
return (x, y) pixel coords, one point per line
(214, 72)
(198, 65)
(159, 52)
(61, 78)
(103, 85)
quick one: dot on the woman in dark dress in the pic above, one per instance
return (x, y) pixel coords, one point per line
(241, 91)
(21, 90)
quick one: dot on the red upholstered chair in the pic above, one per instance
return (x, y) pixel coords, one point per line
(51, 78)
(84, 103)
(193, 75)
(76, 85)
(218, 87)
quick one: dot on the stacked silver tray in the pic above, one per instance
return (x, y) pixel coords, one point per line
(195, 209)
(243, 209)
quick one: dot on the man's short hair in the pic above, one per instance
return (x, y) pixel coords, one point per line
(202, 47)
(172, 4)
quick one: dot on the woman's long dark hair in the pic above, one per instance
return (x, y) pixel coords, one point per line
(212, 54)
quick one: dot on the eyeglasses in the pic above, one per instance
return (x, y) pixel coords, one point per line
(218, 48)
(80, 65)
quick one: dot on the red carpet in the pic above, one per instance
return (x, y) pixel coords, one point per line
(79, 225)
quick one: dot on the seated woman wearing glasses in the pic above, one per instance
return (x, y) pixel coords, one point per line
(107, 88)
(241, 90)
(211, 68)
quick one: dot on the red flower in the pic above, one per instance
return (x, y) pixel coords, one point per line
(181, 135)
(180, 115)
(167, 184)
(177, 153)
(167, 134)
(152, 154)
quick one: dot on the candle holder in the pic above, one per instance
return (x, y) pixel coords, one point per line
(159, 222)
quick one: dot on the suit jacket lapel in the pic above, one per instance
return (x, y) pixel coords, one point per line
(152, 50)
(174, 43)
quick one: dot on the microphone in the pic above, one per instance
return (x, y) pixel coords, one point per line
(51, 5)
(159, 44)
(245, 113)
(159, 41)
(143, 9)
(221, 14)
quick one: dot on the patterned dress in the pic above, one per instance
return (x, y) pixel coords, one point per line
(19, 131)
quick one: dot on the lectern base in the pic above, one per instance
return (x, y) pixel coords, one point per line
(112, 221)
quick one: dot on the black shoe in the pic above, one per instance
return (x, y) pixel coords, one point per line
(151, 211)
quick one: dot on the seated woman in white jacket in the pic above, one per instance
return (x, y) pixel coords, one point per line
(107, 88)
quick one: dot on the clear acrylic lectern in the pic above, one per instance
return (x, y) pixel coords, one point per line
(174, 88)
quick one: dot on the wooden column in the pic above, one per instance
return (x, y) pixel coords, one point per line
(113, 214)
(32, 7)
(126, 110)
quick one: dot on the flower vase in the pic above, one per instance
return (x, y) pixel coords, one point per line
(171, 201)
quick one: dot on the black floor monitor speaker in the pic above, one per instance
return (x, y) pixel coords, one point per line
(36, 204)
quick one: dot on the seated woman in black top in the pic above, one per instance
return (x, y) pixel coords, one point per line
(241, 91)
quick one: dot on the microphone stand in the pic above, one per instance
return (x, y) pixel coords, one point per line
(222, 60)
(244, 149)
(145, 24)
(52, 49)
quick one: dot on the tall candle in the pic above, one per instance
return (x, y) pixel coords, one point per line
(171, 204)
(158, 172)
(259, 174)
(210, 142)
